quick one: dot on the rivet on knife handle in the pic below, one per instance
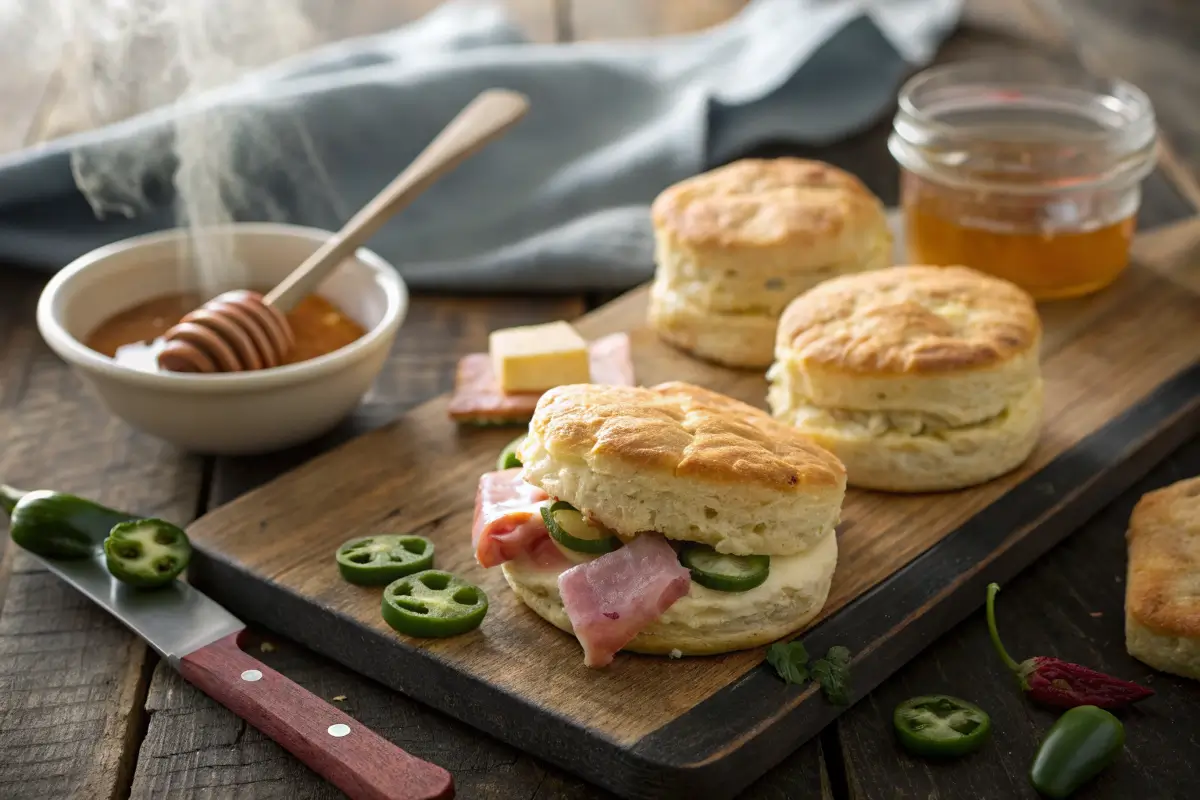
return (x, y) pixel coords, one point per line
(333, 744)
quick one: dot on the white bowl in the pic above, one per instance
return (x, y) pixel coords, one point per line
(233, 413)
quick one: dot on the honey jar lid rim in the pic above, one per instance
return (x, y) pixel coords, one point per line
(1120, 115)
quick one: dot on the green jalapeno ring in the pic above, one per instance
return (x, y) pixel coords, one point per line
(723, 572)
(433, 604)
(940, 726)
(146, 553)
(508, 456)
(377, 560)
(569, 528)
(9, 497)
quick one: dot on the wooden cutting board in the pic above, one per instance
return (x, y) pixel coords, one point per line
(1122, 389)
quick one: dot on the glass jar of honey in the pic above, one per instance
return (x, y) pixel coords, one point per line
(1027, 173)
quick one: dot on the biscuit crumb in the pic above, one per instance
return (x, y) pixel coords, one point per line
(676, 653)
(339, 698)
(266, 647)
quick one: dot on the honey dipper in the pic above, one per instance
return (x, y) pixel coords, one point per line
(243, 330)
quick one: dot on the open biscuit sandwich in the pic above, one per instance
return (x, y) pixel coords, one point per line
(669, 520)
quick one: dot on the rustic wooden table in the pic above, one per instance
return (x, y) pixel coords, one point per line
(86, 711)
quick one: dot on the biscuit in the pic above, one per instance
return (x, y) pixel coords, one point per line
(917, 378)
(734, 245)
(732, 340)
(705, 621)
(692, 464)
(1162, 589)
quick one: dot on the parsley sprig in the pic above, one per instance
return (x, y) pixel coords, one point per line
(832, 672)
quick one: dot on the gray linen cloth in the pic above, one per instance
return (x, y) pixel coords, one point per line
(560, 203)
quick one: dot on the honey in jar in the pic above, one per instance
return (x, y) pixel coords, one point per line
(1030, 175)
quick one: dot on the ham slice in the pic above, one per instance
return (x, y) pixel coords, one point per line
(478, 400)
(611, 599)
(508, 522)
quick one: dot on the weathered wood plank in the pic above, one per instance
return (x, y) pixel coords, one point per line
(194, 748)
(72, 679)
(1133, 331)
(1070, 605)
(1080, 577)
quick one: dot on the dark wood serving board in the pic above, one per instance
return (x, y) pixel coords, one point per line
(1122, 390)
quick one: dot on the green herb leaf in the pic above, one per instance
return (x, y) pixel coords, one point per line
(833, 673)
(838, 655)
(790, 660)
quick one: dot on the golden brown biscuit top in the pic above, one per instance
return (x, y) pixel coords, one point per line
(758, 202)
(910, 320)
(683, 431)
(1163, 592)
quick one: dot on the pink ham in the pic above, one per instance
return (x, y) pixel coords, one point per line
(611, 599)
(508, 522)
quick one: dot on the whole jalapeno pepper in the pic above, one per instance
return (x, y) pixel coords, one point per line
(1079, 746)
(9, 497)
(57, 525)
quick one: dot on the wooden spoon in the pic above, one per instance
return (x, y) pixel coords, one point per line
(242, 330)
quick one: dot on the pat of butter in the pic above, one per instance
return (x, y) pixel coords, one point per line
(535, 358)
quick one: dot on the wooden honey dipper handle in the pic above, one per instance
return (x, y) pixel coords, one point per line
(490, 114)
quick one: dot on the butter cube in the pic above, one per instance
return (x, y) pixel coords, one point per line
(535, 358)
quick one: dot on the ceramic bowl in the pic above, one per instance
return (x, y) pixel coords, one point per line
(234, 413)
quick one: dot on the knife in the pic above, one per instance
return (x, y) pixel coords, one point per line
(200, 639)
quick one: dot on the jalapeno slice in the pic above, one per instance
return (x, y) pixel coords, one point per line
(433, 603)
(376, 560)
(508, 456)
(568, 527)
(721, 571)
(147, 553)
(940, 726)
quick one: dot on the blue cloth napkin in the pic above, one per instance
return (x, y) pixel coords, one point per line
(560, 203)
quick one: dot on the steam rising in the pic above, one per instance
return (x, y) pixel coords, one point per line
(119, 58)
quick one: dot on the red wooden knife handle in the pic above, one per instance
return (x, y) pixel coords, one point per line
(338, 747)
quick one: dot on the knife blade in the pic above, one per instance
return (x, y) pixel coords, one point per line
(200, 639)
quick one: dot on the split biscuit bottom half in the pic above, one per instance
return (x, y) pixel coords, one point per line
(694, 466)
(918, 379)
(734, 245)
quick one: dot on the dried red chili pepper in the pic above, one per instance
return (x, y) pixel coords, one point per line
(1061, 684)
